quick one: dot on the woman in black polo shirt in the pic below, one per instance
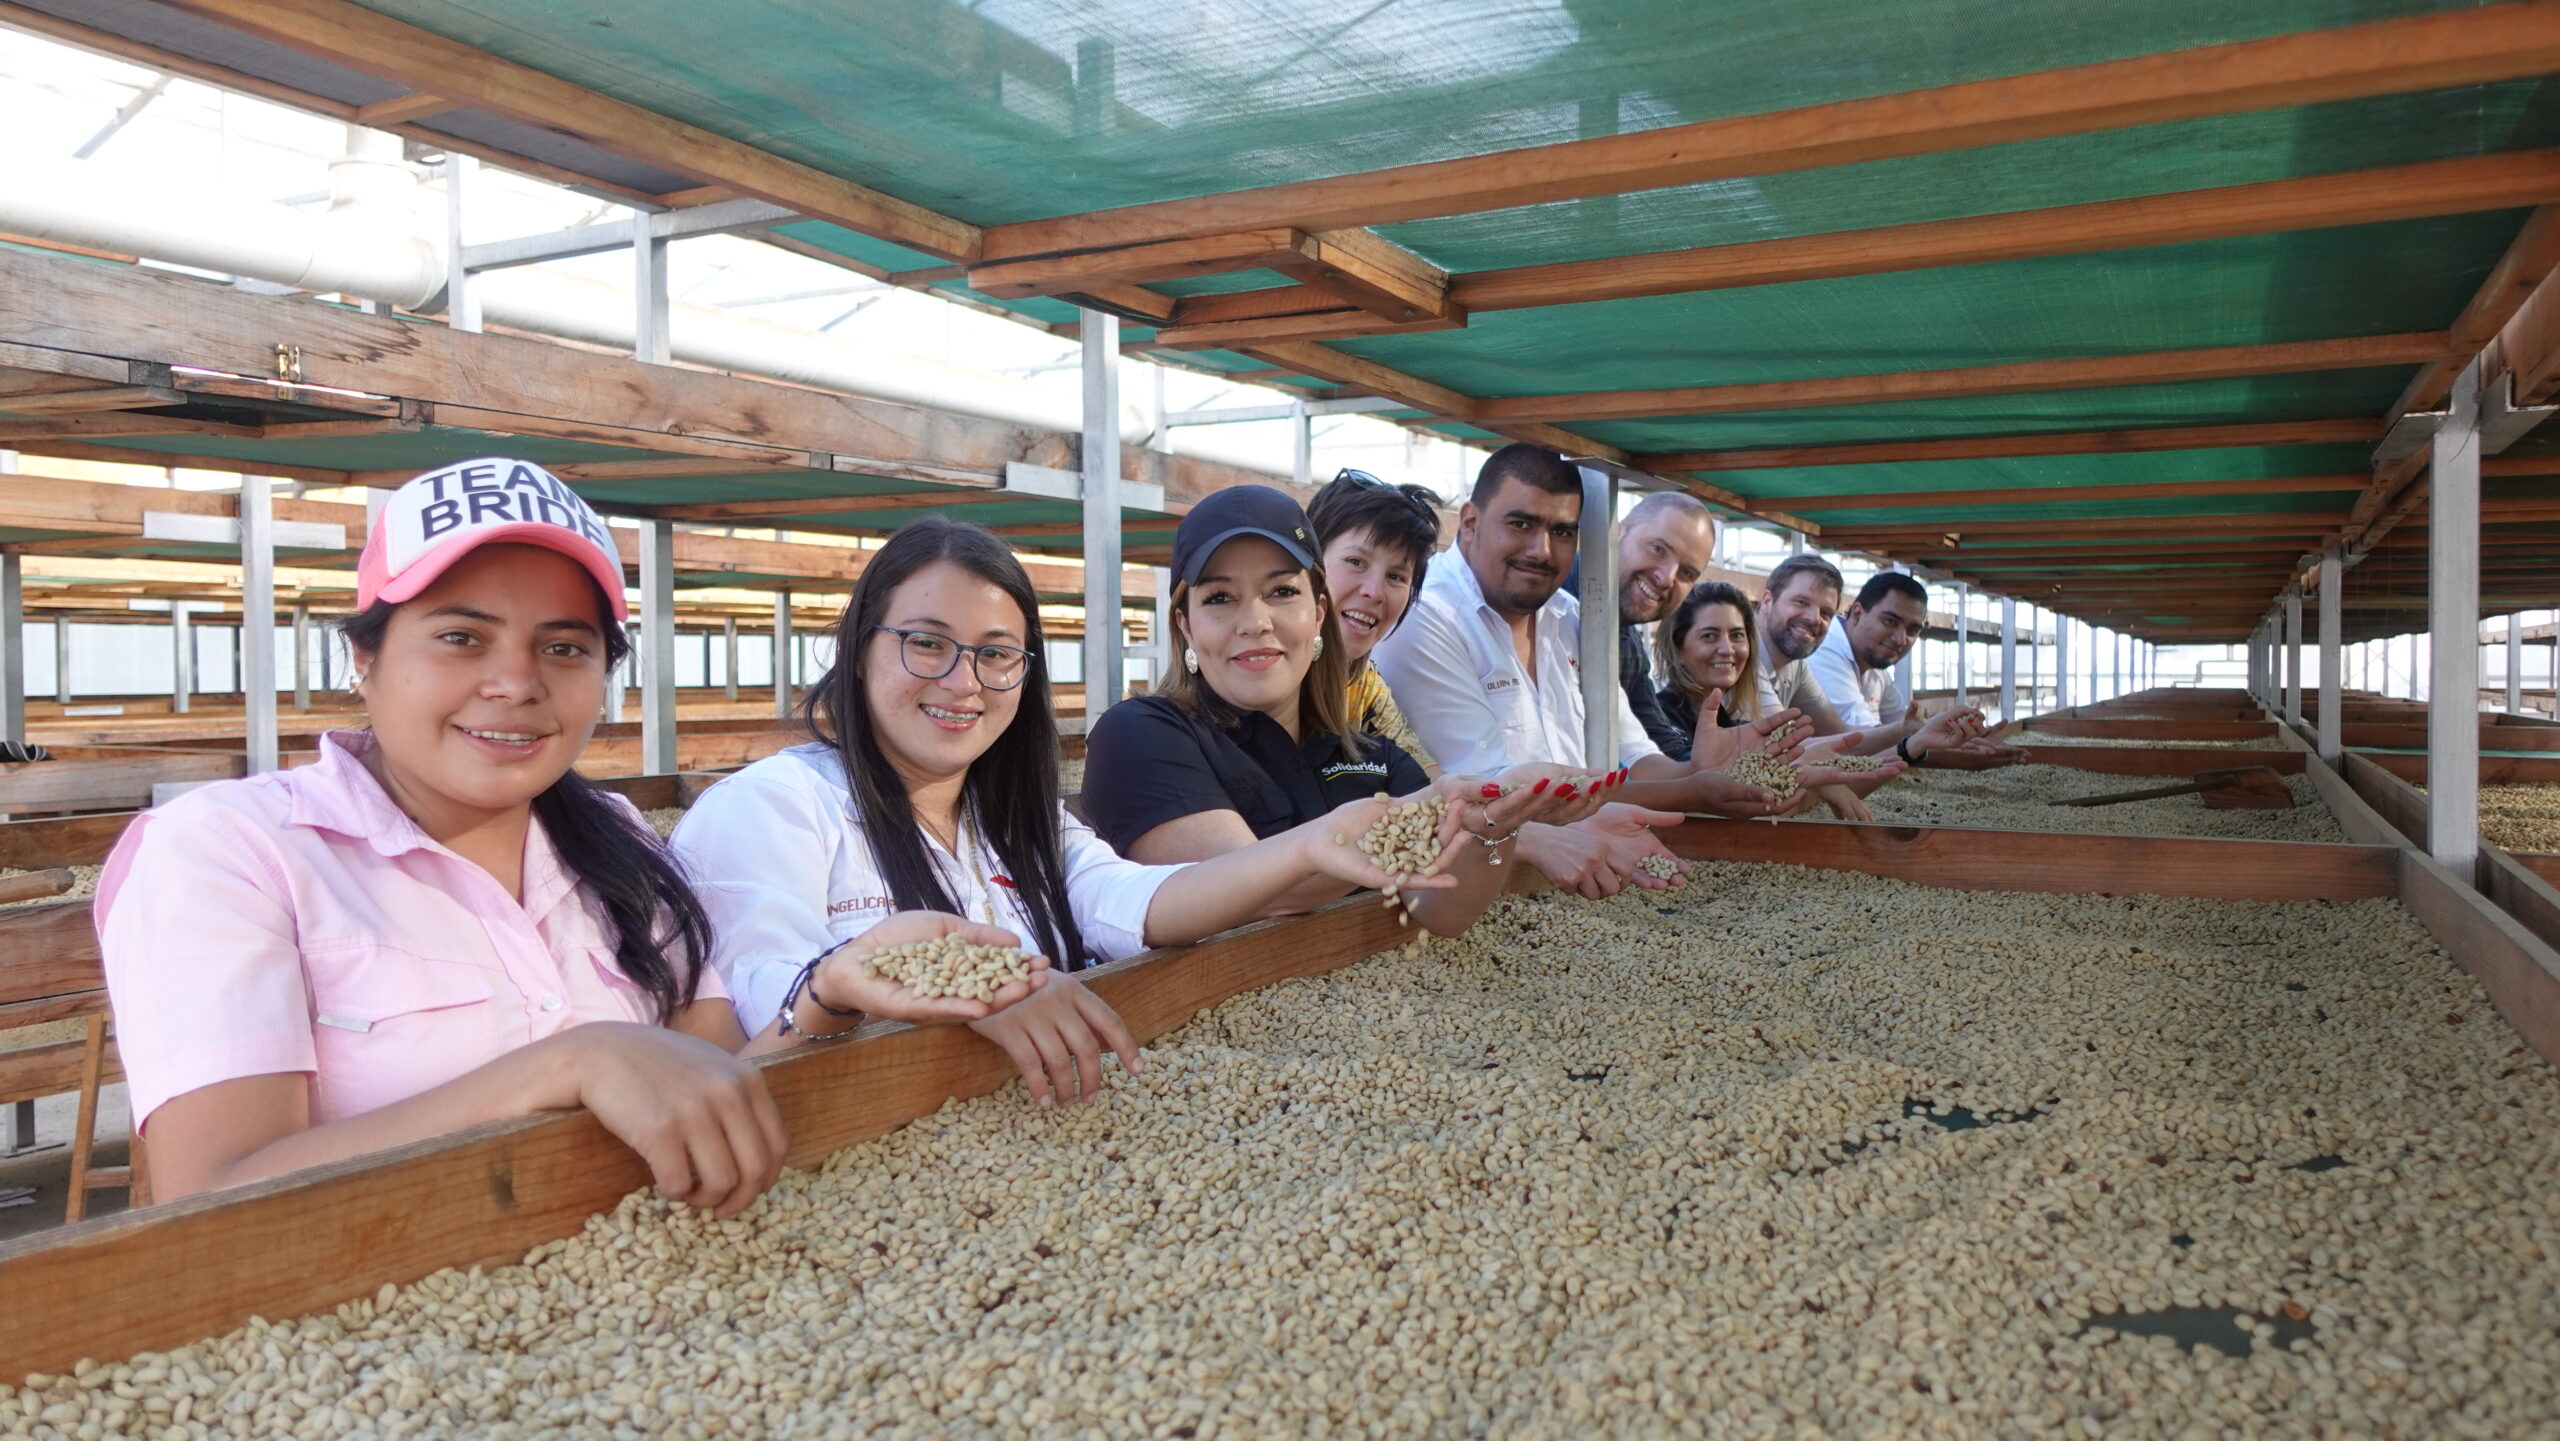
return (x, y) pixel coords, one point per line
(1250, 737)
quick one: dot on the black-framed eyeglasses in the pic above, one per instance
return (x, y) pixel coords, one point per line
(1413, 495)
(931, 655)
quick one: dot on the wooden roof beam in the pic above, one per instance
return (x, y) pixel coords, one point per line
(2282, 522)
(2063, 494)
(2155, 368)
(360, 39)
(2353, 430)
(2355, 197)
(2467, 47)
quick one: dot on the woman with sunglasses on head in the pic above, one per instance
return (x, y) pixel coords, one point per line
(1250, 741)
(439, 923)
(1377, 541)
(932, 788)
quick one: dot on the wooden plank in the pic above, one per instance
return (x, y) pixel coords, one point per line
(61, 785)
(1131, 265)
(2158, 760)
(75, 427)
(105, 43)
(2522, 892)
(187, 1269)
(2362, 197)
(86, 402)
(1374, 274)
(2518, 970)
(52, 1070)
(518, 386)
(1979, 860)
(737, 510)
(2390, 57)
(2351, 430)
(2176, 730)
(1254, 304)
(2029, 377)
(1317, 325)
(48, 950)
(2414, 737)
(383, 114)
(2494, 769)
(60, 840)
(2064, 494)
(377, 45)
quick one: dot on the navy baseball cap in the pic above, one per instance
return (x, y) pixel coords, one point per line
(1241, 510)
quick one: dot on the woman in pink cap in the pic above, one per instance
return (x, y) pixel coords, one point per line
(440, 923)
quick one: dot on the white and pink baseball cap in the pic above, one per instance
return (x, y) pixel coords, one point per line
(445, 514)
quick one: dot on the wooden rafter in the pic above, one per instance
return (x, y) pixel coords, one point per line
(2028, 377)
(2354, 430)
(360, 39)
(2356, 197)
(2469, 47)
(2279, 522)
(2061, 494)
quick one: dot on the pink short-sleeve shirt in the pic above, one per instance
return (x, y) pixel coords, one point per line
(301, 922)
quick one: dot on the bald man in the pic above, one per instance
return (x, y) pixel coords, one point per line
(1664, 546)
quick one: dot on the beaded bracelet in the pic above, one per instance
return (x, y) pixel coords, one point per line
(800, 986)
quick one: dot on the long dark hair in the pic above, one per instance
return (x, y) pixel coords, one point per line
(618, 859)
(1012, 790)
(1742, 703)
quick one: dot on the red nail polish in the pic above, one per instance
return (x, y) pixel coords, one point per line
(1565, 791)
(1491, 791)
(1539, 788)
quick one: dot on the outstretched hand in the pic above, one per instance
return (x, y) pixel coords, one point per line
(1716, 745)
(845, 982)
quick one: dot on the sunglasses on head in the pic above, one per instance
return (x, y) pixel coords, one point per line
(1412, 495)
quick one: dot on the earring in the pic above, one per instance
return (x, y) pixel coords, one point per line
(1191, 660)
(1319, 648)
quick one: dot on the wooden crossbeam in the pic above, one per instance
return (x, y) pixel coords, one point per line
(2158, 367)
(90, 402)
(1254, 305)
(736, 510)
(1342, 323)
(1163, 260)
(360, 39)
(2353, 430)
(2468, 47)
(383, 114)
(2061, 494)
(2281, 522)
(76, 427)
(2359, 197)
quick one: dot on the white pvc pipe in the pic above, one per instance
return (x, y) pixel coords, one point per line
(373, 243)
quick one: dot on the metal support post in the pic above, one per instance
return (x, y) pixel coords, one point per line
(2008, 658)
(729, 659)
(658, 647)
(182, 646)
(620, 678)
(782, 648)
(2453, 622)
(2293, 654)
(461, 297)
(2035, 661)
(13, 650)
(2332, 681)
(2515, 663)
(649, 316)
(1902, 669)
(2062, 662)
(1302, 444)
(1168, 653)
(1598, 640)
(258, 621)
(1964, 641)
(1105, 656)
(62, 658)
(302, 657)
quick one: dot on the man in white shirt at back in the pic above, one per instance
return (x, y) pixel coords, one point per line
(1486, 668)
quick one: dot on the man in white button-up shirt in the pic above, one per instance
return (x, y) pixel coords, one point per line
(1486, 667)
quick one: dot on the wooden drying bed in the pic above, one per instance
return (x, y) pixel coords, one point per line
(2526, 887)
(293, 1245)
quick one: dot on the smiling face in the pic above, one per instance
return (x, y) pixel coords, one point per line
(1881, 635)
(1660, 556)
(486, 684)
(931, 731)
(1371, 582)
(1519, 544)
(1793, 622)
(1717, 647)
(1252, 618)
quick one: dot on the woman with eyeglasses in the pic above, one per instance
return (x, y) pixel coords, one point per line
(1377, 541)
(931, 788)
(1249, 742)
